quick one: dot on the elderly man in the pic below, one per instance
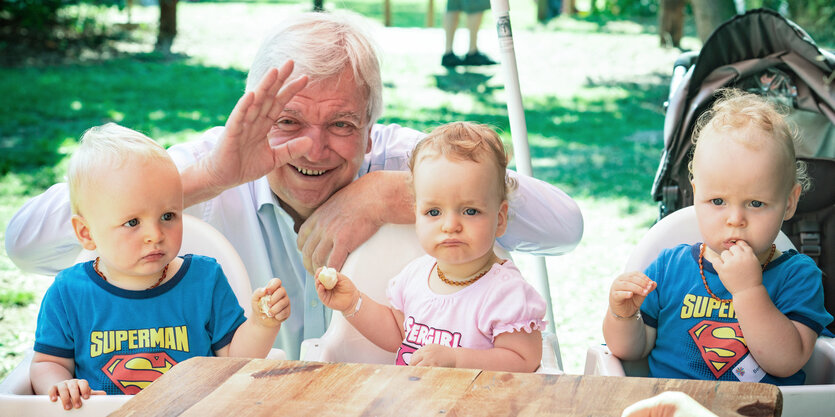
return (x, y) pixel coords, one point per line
(301, 175)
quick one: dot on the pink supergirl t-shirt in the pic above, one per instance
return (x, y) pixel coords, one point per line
(500, 302)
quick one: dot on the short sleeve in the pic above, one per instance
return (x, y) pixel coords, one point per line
(511, 305)
(397, 286)
(227, 315)
(54, 334)
(656, 271)
(800, 297)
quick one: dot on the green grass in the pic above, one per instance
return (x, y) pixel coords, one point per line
(593, 93)
(11, 298)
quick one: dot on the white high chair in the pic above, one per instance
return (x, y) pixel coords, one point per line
(371, 266)
(813, 399)
(16, 394)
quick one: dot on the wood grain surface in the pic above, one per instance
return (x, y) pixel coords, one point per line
(260, 387)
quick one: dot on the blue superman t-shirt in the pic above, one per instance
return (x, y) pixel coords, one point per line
(123, 340)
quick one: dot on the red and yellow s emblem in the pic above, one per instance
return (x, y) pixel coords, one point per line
(721, 344)
(132, 373)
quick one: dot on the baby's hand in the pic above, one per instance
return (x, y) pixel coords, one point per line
(71, 392)
(342, 294)
(433, 355)
(738, 267)
(271, 305)
(628, 293)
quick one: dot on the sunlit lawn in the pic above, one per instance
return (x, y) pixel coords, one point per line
(593, 95)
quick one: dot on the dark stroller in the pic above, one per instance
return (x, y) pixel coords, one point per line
(761, 52)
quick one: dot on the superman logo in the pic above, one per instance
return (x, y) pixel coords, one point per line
(404, 354)
(132, 373)
(721, 344)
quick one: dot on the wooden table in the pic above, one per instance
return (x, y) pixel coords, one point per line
(245, 387)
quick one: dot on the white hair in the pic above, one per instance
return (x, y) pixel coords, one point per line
(108, 146)
(323, 45)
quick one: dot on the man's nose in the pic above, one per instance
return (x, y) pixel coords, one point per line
(320, 149)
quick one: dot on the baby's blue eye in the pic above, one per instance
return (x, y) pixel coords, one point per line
(131, 223)
(433, 212)
(168, 216)
(717, 201)
(471, 212)
(756, 203)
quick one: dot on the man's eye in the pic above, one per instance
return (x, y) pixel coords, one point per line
(342, 128)
(717, 201)
(131, 223)
(756, 203)
(471, 211)
(434, 212)
(286, 124)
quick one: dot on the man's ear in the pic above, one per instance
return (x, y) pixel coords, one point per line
(791, 206)
(368, 142)
(502, 224)
(82, 232)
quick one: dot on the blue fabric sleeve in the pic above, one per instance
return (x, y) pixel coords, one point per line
(651, 306)
(227, 315)
(800, 297)
(53, 334)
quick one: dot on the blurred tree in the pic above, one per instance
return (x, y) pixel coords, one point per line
(709, 14)
(167, 25)
(31, 28)
(671, 22)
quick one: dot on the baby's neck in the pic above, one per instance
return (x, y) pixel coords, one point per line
(456, 273)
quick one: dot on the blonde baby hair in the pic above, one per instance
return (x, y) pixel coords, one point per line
(467, 141)
(736, 109)
(107, 146)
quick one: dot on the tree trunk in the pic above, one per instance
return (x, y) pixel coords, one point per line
(167, 25)
(670, 22)
(709, 14)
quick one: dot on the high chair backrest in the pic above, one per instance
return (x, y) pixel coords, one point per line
(198, 238)
(370, 267)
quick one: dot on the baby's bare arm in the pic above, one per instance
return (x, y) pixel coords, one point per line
(53, 376)
(760, 320)
(625, 333)
(762, 324)
(381, 324)
(255, 337)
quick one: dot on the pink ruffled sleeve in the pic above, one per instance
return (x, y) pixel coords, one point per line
(512, 305)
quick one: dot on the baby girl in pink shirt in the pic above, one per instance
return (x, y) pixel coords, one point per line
(460, 305)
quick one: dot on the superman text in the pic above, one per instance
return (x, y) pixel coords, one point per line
(103, 342)
(701, 306)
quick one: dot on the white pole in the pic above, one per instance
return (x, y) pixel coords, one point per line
(518, 128)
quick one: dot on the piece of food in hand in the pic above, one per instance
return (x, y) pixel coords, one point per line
(327, 276)
(264, 303)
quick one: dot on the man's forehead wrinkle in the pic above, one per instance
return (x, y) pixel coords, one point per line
(354, 116)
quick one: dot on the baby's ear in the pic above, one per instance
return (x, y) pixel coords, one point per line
(502, 223)
(82, 232)
(791, 206)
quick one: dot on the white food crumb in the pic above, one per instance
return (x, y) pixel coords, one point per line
(327, 276)
(264, 302)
